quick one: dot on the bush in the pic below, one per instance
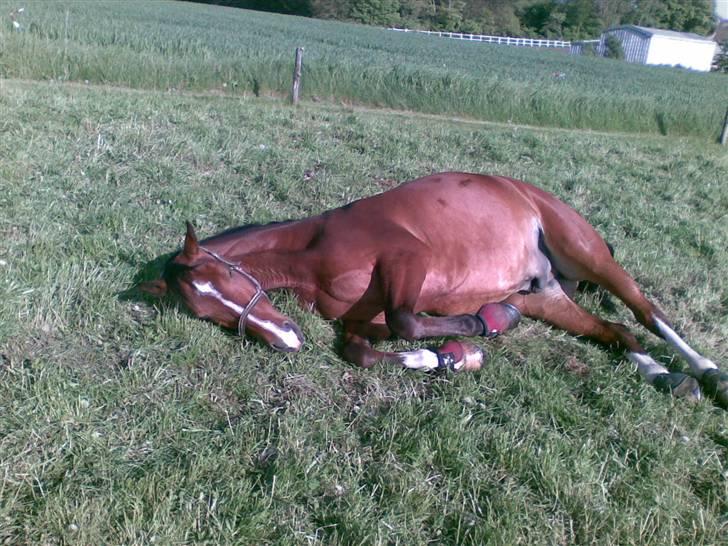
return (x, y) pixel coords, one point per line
(613, 47)
(720, 63)
(589, 50)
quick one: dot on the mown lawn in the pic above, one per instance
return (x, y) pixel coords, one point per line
(127, 421)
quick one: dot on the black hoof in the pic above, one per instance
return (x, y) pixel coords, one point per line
(679, 385)
(715, 383)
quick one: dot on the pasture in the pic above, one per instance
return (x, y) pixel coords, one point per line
(123, 420)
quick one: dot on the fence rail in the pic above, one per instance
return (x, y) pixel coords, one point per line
(507, 40)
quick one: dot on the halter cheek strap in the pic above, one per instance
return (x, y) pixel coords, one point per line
(259, 293)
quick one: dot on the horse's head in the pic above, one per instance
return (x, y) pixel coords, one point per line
(224, 293)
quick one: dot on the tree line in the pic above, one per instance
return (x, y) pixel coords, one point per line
(556, 19)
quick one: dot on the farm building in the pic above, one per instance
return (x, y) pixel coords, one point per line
(720, 9)
(662, 47)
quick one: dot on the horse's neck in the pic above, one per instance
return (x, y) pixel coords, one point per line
(238, 243)
(270, 252)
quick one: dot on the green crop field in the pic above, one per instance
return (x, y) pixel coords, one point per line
(139, 44)
(124, 420)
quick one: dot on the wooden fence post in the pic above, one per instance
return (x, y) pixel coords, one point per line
(297, 76)
(724, 132)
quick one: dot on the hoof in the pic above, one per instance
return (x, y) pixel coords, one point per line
(679, 385)
(460, 356)
(715, 383)
(498, 318)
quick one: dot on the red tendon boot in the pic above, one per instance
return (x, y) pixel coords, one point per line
(498, 318)
(460, 356)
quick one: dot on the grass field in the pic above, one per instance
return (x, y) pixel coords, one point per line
(177, 45)
(126, 421)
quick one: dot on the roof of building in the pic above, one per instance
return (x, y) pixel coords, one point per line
(648, 32)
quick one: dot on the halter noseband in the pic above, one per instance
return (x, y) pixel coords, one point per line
(259, 293)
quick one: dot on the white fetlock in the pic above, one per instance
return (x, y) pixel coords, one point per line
(421, 359)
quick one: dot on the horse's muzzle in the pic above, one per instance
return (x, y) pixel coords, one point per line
(289, 338)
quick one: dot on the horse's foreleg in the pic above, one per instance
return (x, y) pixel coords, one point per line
(401, 274)
(411, 326)
(401, 278)
(491, 320)
(453, 355)
(555, 307)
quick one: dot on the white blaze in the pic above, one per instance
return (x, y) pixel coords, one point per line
(286, 336)
(206, 289)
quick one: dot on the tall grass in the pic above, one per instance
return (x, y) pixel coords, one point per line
(174, 45)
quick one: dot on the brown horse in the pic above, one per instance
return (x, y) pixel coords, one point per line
(450, 254)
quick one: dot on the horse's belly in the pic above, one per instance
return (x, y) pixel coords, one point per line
(468, 296)
(482, 281)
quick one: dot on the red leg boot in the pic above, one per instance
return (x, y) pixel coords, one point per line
(498, 318)
(460, 356)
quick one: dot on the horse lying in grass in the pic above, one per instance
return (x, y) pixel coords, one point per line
(450, 254)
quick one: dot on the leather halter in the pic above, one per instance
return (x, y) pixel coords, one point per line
(259, 293)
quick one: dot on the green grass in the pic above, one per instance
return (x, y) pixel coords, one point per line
(127, 421)
(175, 45)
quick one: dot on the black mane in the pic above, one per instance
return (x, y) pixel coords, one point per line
(173, 270)
(240, 230)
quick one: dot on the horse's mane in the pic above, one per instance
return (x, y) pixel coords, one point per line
(241, 230)
(172, 269)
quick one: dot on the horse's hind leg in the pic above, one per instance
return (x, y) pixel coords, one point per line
(555, 307)
(620, 283)
(592, 261)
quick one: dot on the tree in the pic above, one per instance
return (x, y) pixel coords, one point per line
(329, 9)
(581, 20)
(612, 12)
(449, 15)
(416, 13)
(574, 19)
(501, 17)
(375, 12)
(681, 15)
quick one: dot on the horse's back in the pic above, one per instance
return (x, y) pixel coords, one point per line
(468, 206)
(477, 234)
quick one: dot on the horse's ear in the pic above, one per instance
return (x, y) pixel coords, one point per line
(155, 288)
(191, 248)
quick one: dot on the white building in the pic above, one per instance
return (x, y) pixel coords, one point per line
(720, 9)
(662, 47)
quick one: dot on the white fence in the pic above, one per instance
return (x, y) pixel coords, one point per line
(506, 40)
